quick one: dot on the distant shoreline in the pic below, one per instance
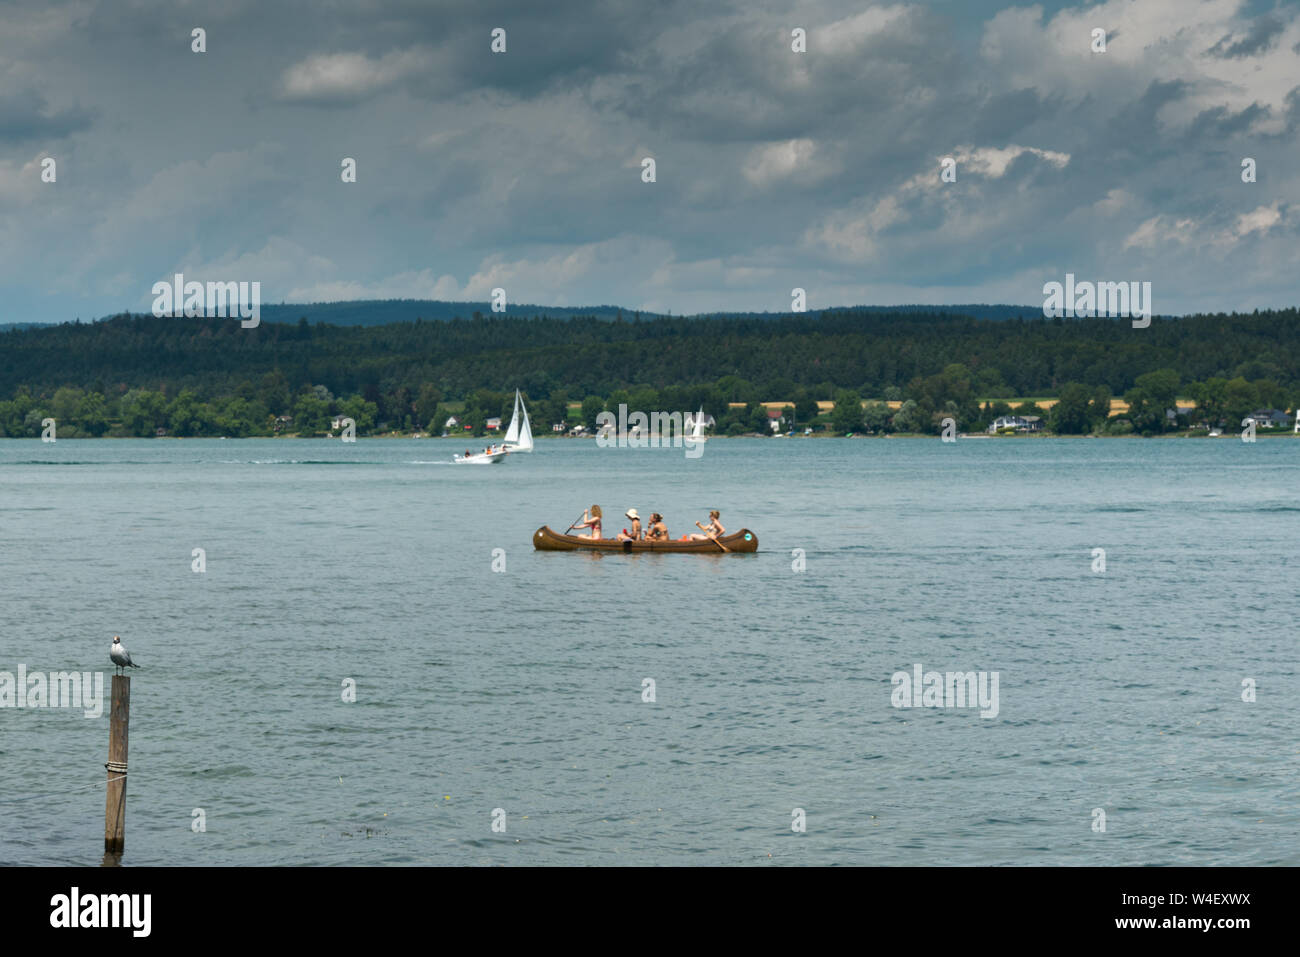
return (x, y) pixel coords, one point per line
(454, 440)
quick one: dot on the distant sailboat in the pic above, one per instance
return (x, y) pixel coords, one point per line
(519, 437)
(697, 430)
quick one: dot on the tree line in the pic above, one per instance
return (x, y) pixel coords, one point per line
(134, 375)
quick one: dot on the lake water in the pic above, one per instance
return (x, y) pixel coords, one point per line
(522, 689)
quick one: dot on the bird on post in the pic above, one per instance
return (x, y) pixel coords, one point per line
(120, 656)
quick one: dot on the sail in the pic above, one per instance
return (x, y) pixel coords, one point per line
(512, 433)
(525, 443)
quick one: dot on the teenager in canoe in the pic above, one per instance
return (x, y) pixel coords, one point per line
(591, 520)
(635, 535)
(713, 530)
(658, 531)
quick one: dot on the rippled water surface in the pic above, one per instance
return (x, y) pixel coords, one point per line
(522, 690)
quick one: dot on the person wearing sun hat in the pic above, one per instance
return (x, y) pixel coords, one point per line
(635, 534)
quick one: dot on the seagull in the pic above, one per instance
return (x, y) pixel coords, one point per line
(120, 656)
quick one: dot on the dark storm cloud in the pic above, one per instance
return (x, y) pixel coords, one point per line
(27, 116)
(743, 84)
(1221, 123)
(523, 169)
(438, 50)
(1002, 117)
(1263, 32)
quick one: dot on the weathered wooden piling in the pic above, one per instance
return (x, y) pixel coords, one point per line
(119, 719)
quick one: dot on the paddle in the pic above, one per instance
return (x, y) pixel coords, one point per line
(714, 539)
(575, 522)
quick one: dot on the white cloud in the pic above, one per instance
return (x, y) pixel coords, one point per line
(420, 284)
(1163, 230)
(552, 280)
(848, 35)
(289, 272)
(1115, 201)
(1259, 220)
(853, 233)
(993, 162)
(777, 161)
(349, 77)
(1160, 229)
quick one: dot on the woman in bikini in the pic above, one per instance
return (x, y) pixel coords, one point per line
(658, 531)
(591, 520)
(713, 530)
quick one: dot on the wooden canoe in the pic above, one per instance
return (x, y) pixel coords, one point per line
(547, 539)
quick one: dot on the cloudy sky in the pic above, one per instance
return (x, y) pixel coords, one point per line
(523, 170)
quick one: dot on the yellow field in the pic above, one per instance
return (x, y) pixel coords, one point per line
(1117, 406)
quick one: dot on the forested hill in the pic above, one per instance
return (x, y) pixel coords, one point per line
(385, 312)
(367, 312)
(865, 351)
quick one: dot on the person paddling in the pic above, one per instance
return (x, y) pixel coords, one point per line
(590, 519)
(713, 530)
(635, 535)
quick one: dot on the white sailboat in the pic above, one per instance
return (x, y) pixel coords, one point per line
(519, 436)
(697, 430)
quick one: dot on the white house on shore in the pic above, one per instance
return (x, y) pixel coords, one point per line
(1269, 418)
(1020, 423)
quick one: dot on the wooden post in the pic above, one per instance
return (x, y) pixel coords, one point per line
(119, 718)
